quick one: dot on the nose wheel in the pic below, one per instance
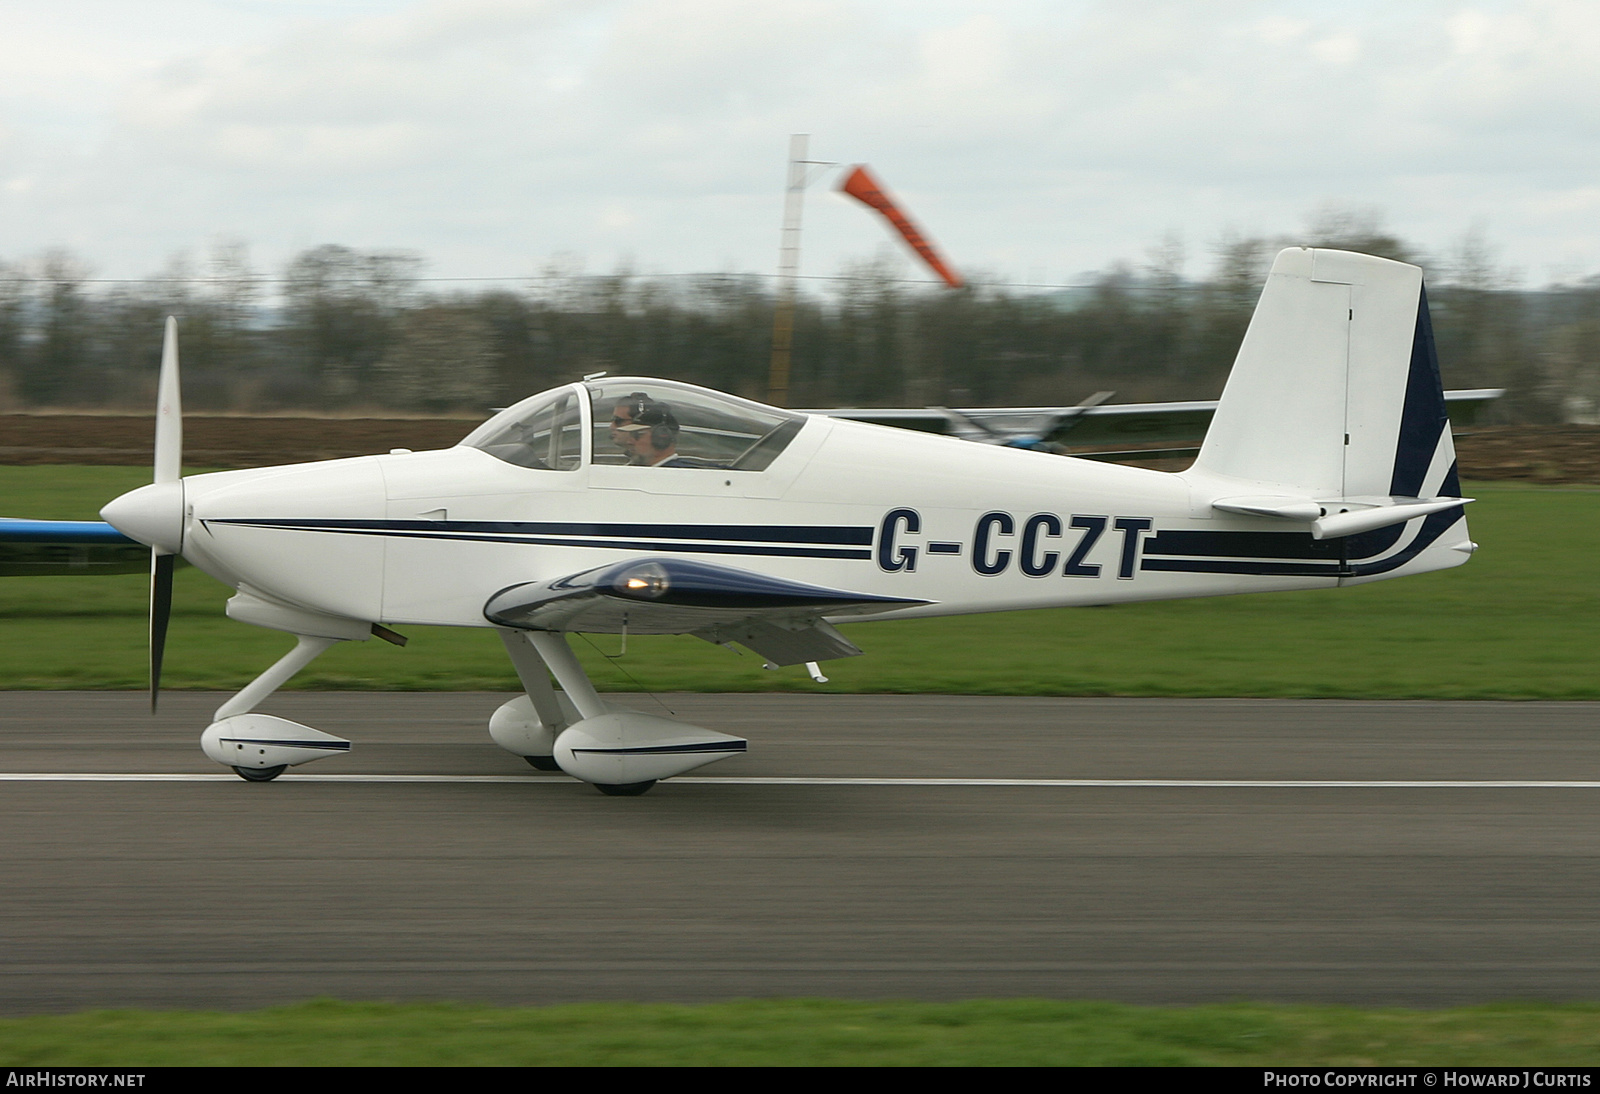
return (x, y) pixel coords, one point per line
(260, 774)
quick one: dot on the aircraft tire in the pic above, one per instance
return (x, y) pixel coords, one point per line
(624, 790)
(259, 774)
(543, 763)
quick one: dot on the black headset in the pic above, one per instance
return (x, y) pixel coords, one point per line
(646, 411)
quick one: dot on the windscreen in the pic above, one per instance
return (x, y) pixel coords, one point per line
(543, 432)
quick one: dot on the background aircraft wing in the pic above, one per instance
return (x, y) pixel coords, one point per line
(56, 547)
(1125, 431)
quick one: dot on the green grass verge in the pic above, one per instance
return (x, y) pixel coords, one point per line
(1520, 621)
(819, 1032)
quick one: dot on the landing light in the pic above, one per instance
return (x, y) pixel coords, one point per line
(647, 582)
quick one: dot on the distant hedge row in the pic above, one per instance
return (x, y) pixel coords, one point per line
(349, 329)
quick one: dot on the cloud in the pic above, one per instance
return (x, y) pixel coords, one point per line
(1054, 137)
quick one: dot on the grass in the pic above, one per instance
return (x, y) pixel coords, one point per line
(1520, 621)
(1019, 1032)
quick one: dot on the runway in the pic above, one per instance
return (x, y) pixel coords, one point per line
(925, 847)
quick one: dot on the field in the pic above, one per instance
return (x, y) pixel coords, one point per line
(1520, 621)
(1013, 1033)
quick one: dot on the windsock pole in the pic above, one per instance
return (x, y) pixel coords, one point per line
(788, 271)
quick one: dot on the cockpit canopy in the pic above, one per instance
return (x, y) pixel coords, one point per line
(688, 427)
(703, 428)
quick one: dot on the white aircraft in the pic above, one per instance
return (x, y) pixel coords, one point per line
(1096, 429)
(648, 506)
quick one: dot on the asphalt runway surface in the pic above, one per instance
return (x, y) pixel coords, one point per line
(531, 888)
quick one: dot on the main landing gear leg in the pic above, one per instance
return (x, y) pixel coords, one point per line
(554, 651)
(528, 725)
(259, 746)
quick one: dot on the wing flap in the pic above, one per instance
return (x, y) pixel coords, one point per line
(785, 643)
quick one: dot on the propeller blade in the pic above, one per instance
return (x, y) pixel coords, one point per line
(168, 468)
(169, 410)
(1070, 417)
(161, 566)
(963, 423)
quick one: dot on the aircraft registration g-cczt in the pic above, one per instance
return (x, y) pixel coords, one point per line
(645, 506)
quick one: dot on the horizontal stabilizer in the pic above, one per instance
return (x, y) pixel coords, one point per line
(1333, 517)
(1349, 516)
(1272, 505)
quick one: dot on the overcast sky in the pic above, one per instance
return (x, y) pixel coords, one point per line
(1033, 140)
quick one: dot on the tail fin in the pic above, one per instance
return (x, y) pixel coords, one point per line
(1334, 413)
(1336, 392)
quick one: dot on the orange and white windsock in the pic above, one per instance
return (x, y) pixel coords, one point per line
(860, 184)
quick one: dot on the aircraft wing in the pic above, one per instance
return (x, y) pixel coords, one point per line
(781, 620)
(58, 547)
(1133, 431)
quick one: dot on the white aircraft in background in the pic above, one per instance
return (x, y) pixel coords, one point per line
(1096, 429)
(647, 506)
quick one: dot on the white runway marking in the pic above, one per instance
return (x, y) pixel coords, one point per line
(798, 780)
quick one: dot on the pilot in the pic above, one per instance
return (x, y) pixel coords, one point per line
(645, 430)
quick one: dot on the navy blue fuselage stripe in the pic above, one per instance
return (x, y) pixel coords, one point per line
(740, 533)
(1424, 417)
(1228, 566)
(1434, 525)
(617, 544)
(1272, 545)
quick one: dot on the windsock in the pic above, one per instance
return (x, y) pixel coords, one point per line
(861, 185)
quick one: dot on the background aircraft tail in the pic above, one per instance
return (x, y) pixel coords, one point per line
(1334, 414)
